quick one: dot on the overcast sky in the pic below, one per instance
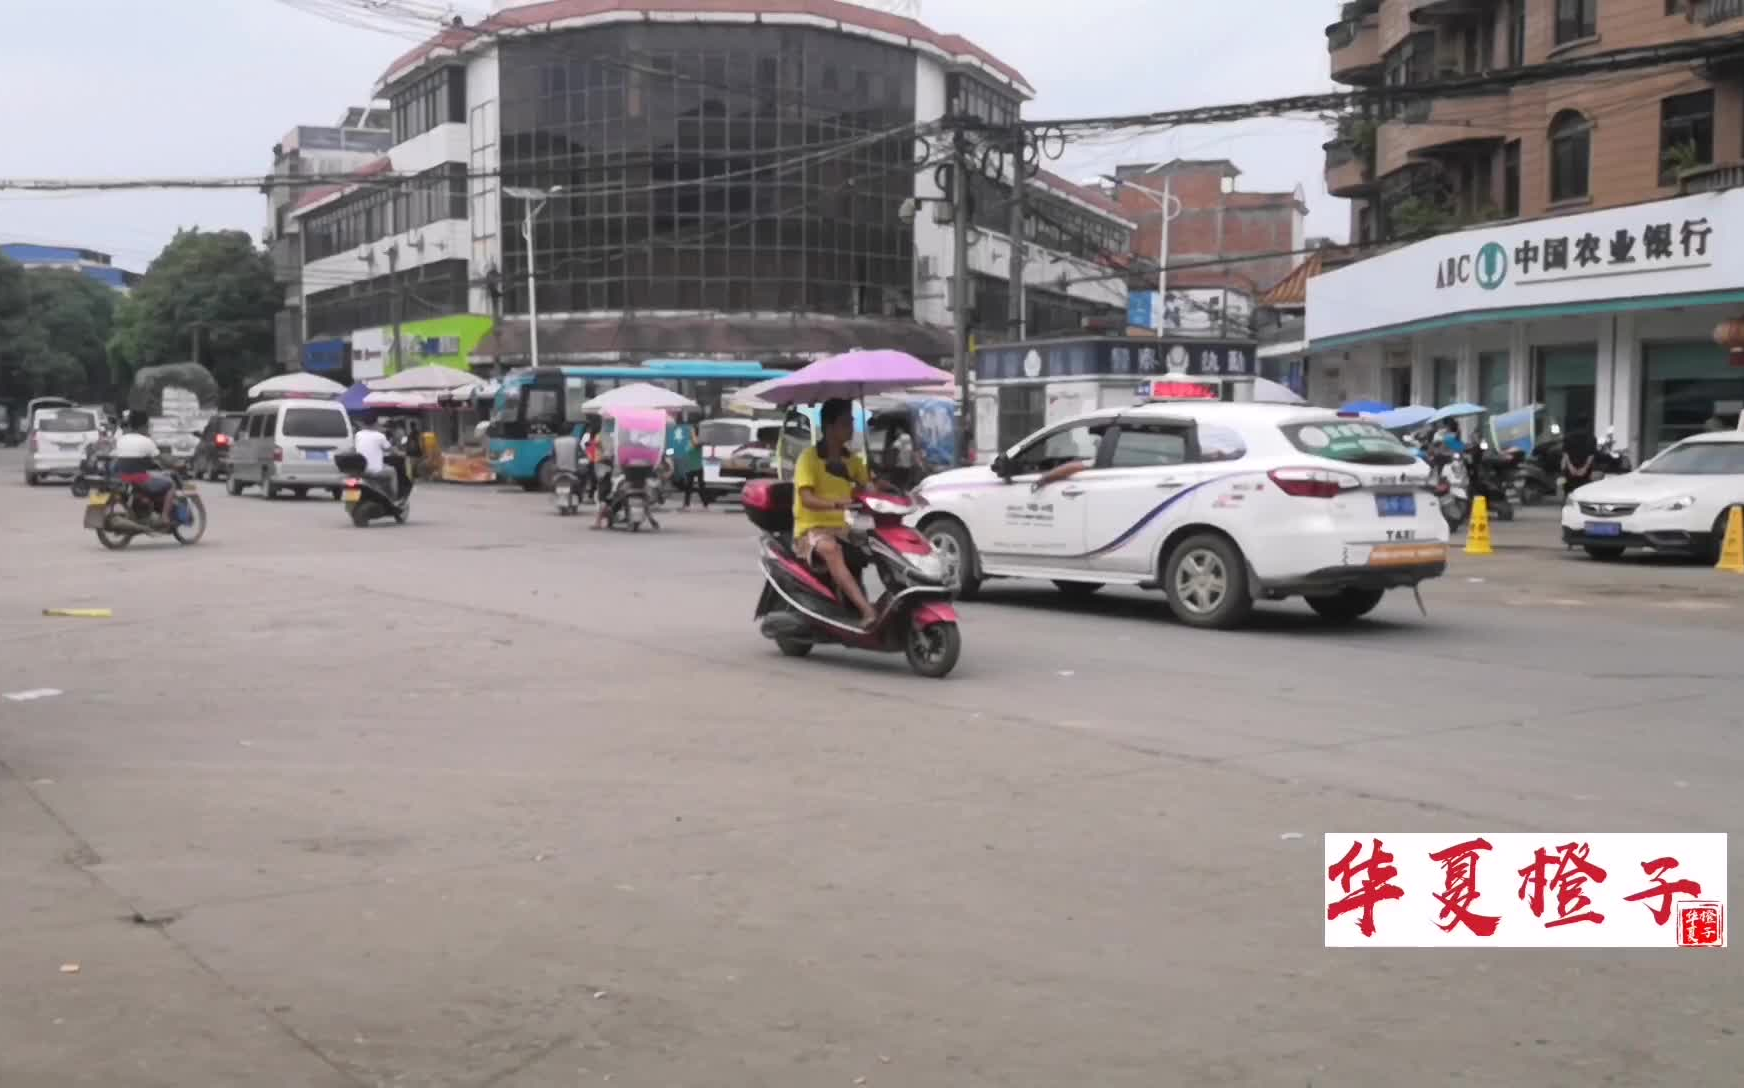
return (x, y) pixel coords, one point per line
(118, 88)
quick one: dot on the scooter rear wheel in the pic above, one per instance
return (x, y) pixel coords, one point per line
(792, 647)
(933, 650)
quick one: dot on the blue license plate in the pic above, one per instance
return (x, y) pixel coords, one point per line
(1396, 506)
(318, 455)
(1604, 528)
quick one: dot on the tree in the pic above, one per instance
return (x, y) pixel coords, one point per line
(54, 324)
(216, 282)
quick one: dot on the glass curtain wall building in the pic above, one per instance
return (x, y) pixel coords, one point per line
(749, 169)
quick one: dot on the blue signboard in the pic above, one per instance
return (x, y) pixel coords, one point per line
(324, 356)
(1515, 430)
(1141, 309)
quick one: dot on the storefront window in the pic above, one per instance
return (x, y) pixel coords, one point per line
(1493, 380)
(1688, 389)
(1446, 382)
(1565, 384)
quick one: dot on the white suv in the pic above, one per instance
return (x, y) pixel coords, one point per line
(1217, 504)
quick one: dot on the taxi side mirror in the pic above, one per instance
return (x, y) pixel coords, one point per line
(1002, 467)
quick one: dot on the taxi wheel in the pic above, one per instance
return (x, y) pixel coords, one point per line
(950, 538)
(1347, 605)
(1206, 580)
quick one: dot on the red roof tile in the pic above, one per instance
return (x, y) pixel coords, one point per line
(533, 15)
(368, 170)
(1292, 290)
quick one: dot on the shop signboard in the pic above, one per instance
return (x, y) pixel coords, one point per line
(1679, 247)
(1114, 357)
(369, 354)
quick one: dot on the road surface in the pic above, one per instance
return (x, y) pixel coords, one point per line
(491, 799)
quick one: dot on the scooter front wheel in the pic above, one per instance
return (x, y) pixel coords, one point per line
(933, 650)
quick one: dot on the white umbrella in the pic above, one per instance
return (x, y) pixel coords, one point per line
(425, 379)
(1267, 391)
(300, 384)
(751, 399)
(639, 395)
(414, 400)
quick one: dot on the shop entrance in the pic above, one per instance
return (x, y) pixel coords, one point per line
(1687, 388)
(1565, 381)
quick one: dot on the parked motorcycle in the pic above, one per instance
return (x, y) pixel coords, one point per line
(1528, 484)
(365, 498)
(1452, 487)
(1489, 473)
(119, 510)
(799, 609)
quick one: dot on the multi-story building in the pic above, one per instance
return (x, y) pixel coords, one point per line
(1226, 246)
(88, 262)
(1587, 245)
(723, 178)
(311, 152)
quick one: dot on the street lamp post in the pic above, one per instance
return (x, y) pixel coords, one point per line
(535, 199)
(1169, 209)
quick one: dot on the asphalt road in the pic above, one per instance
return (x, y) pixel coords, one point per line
(491, 799)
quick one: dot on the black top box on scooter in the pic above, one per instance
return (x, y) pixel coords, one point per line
(350, 463)
(769, 505)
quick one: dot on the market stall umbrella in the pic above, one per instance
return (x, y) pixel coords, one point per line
(413, 400)
(1366, 407)
(640, 395)
(1457, 411)
(470, 393)
(425, 379)
(352, 400)
(855, 374)
(300, 384)
(751, 397)
(1405, 418)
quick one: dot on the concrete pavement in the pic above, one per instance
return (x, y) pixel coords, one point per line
(493, 800)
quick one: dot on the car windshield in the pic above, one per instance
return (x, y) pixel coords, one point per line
(315, 423)
(1699, 459)
(725, 434)
(1352, 441)
(66, 422)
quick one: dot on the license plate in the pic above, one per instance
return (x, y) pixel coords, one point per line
(1604, 528)
(1407, 555)
(97, 498)
(189, 489)
(317, 455)
(562, 490)
(352, 495)
(1396, 506)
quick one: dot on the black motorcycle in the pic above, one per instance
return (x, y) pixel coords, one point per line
(365, 498)
(120, 509)
(1489, 473)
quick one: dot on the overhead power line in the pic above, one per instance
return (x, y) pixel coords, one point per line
(1634, 59)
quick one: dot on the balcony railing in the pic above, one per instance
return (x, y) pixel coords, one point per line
(1710, 12)
(1712, 178)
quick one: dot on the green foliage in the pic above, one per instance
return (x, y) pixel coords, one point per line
(216, 282)
(1417, 215)
(54, 324)
(1680, 157)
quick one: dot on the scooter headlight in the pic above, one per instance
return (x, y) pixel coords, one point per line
(930, 566)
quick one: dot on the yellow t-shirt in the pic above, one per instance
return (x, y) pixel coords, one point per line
(809, 472)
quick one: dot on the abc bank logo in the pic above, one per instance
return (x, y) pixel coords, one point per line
(1489, 269)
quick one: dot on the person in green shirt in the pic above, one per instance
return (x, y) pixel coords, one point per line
(824, 480)
(681, 439)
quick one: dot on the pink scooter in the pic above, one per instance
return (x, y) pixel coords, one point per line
(800, 608)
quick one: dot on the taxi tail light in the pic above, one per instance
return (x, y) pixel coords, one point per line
(1307, 483)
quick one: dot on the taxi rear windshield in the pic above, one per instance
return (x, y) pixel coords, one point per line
(1353, 441)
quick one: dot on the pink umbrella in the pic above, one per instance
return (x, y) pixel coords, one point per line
(854, 374)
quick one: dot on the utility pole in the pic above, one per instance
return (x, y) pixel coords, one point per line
(535, 200)
(394, 300)
(1017, 321)
(197, 329)
(960, 288)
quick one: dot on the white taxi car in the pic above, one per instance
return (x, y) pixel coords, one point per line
(1676, 503)
(1218, 504)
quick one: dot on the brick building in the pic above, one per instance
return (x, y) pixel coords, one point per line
(1585, 228)
(1213, 222)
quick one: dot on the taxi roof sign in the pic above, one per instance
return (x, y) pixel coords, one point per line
(1180, 389)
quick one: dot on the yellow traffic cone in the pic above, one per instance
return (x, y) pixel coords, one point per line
(1732, 551)
(1477, 534)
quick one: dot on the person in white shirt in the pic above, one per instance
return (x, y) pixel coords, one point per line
(136, 459)
(374, 447)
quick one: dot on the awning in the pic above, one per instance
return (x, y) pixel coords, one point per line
(731, 336)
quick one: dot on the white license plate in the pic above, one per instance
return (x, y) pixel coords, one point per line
(562, 490)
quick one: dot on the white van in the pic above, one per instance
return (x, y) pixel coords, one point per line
(55, 444)
(289, 445)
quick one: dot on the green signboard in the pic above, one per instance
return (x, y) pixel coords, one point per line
(442, 341)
